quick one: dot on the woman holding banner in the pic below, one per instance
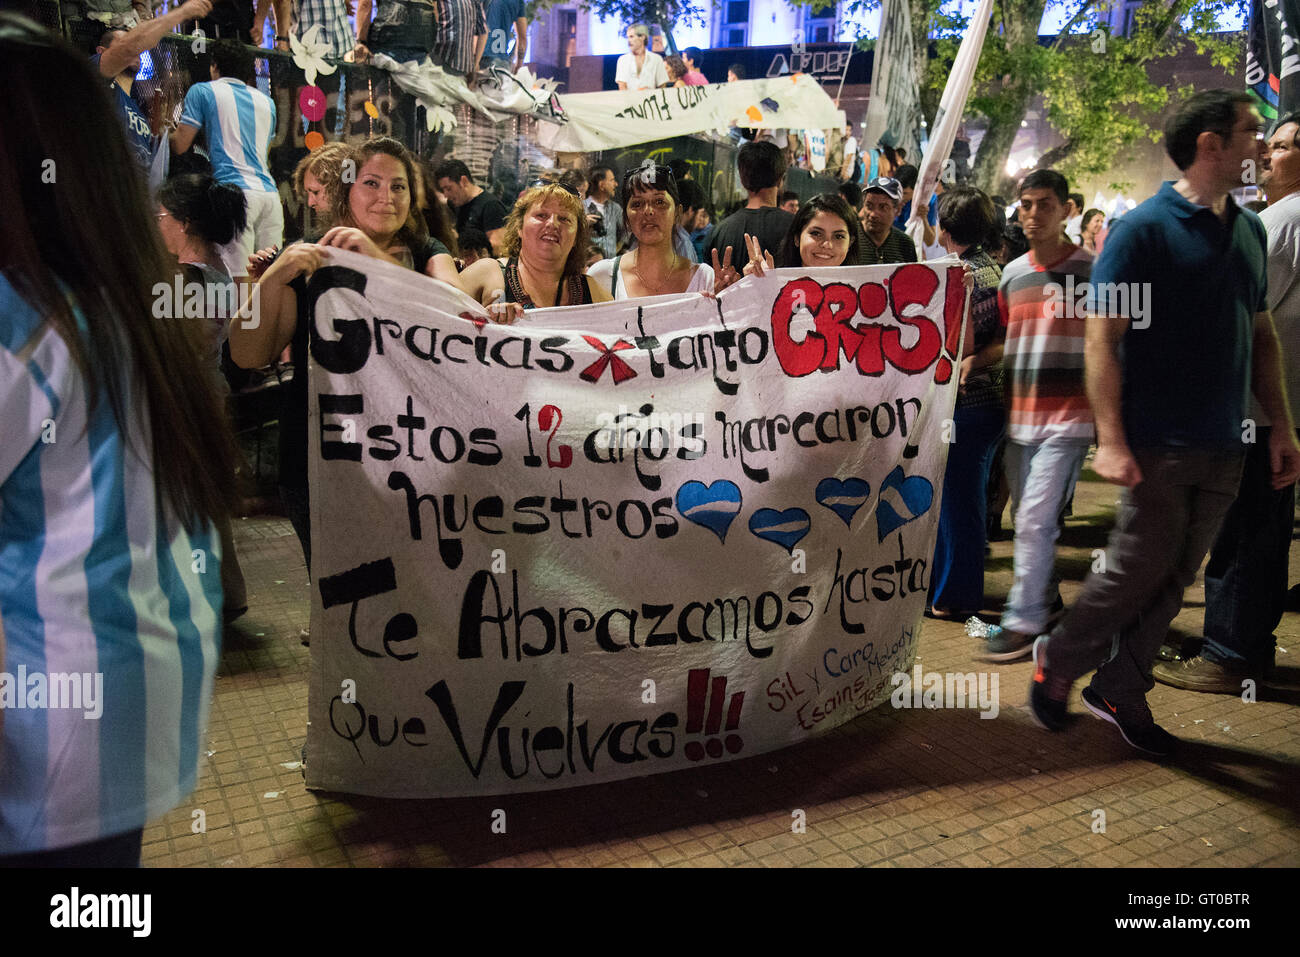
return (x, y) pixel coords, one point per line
(653, 267)
(377, 213)
(822, 234)
(546, 246)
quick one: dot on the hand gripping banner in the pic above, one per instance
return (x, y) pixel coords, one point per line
(620, 539)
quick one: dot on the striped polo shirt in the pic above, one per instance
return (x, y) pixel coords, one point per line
(1043, 358)
(97, 599)
(238, 121)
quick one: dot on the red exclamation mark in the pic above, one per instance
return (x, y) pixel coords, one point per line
(717, 697)
(954, 306)
(697, 686)
(733, 741)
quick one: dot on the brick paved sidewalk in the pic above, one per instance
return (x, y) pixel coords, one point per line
(894, 788)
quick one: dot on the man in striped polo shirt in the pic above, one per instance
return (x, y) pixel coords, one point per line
(238, 121)
(1049, 423)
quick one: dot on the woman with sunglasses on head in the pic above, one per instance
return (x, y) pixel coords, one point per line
(823, 234)
(378, 213)
(653, 266)
(114, 468)
(546, 245)
(196, 215)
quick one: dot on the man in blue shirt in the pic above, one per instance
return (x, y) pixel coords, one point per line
(1178, 335)
(118, 59)
(238, 121)
(503, 16)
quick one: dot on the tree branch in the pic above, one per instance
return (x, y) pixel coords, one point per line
(1078, 15)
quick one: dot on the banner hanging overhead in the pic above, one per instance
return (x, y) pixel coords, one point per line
(612, 119)
(894, 109)
(620, 539)
(1273, 57)
(947, 119)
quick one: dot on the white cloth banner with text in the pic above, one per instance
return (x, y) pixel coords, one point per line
(618, 539)
(607, 120)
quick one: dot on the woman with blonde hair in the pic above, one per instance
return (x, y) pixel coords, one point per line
(316, 182)
(546, 245)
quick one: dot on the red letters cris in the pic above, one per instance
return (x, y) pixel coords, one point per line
(870, 344)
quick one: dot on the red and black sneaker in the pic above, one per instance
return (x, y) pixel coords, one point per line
(1048, 695)
(1134, 721)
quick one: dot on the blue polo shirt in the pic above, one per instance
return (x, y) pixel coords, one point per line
(1201, 281)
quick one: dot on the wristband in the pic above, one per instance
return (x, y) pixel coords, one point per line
(278, 39)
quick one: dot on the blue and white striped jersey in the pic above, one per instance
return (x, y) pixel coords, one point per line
(238, 121)
(91, 584)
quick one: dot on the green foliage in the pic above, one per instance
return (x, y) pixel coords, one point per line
(667, 12)
(1095, 86)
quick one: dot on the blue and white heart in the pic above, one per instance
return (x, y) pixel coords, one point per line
(843, 497)
(903, 499)
(713, 506)
(785, 528)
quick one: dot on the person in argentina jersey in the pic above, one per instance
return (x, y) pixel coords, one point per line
(112, 474)
(238, 121)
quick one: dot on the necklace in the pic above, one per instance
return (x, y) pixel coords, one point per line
(667, 276)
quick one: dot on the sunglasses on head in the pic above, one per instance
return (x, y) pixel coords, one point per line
(649, 173)
(564, 186)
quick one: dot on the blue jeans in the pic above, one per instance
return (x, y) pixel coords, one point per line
(957, 574)
(1041, 476)
(1246, 578)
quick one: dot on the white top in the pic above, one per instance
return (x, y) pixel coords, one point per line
(603, 272)
(653, 72)
(1282, 223)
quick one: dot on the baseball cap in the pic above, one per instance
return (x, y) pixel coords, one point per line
(884, 184)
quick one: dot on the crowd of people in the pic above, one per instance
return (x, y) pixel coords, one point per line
(463, 37)
(108, 536)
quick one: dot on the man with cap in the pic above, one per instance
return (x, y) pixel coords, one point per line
(886, 243)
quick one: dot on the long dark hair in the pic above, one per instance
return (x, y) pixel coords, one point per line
(415, 230)
(84, 249)
(787, 254)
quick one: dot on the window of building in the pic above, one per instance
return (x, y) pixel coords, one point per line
(568, 36)
(733, 23)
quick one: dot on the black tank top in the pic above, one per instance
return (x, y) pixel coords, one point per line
(576, 285)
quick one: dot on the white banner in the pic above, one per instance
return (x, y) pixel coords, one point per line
(894, 109)
(947, 119)
(601, 121)
(615, 540)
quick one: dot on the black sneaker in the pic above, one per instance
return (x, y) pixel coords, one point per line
(1008, 645)
(1135, 724)
(1048, 695)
